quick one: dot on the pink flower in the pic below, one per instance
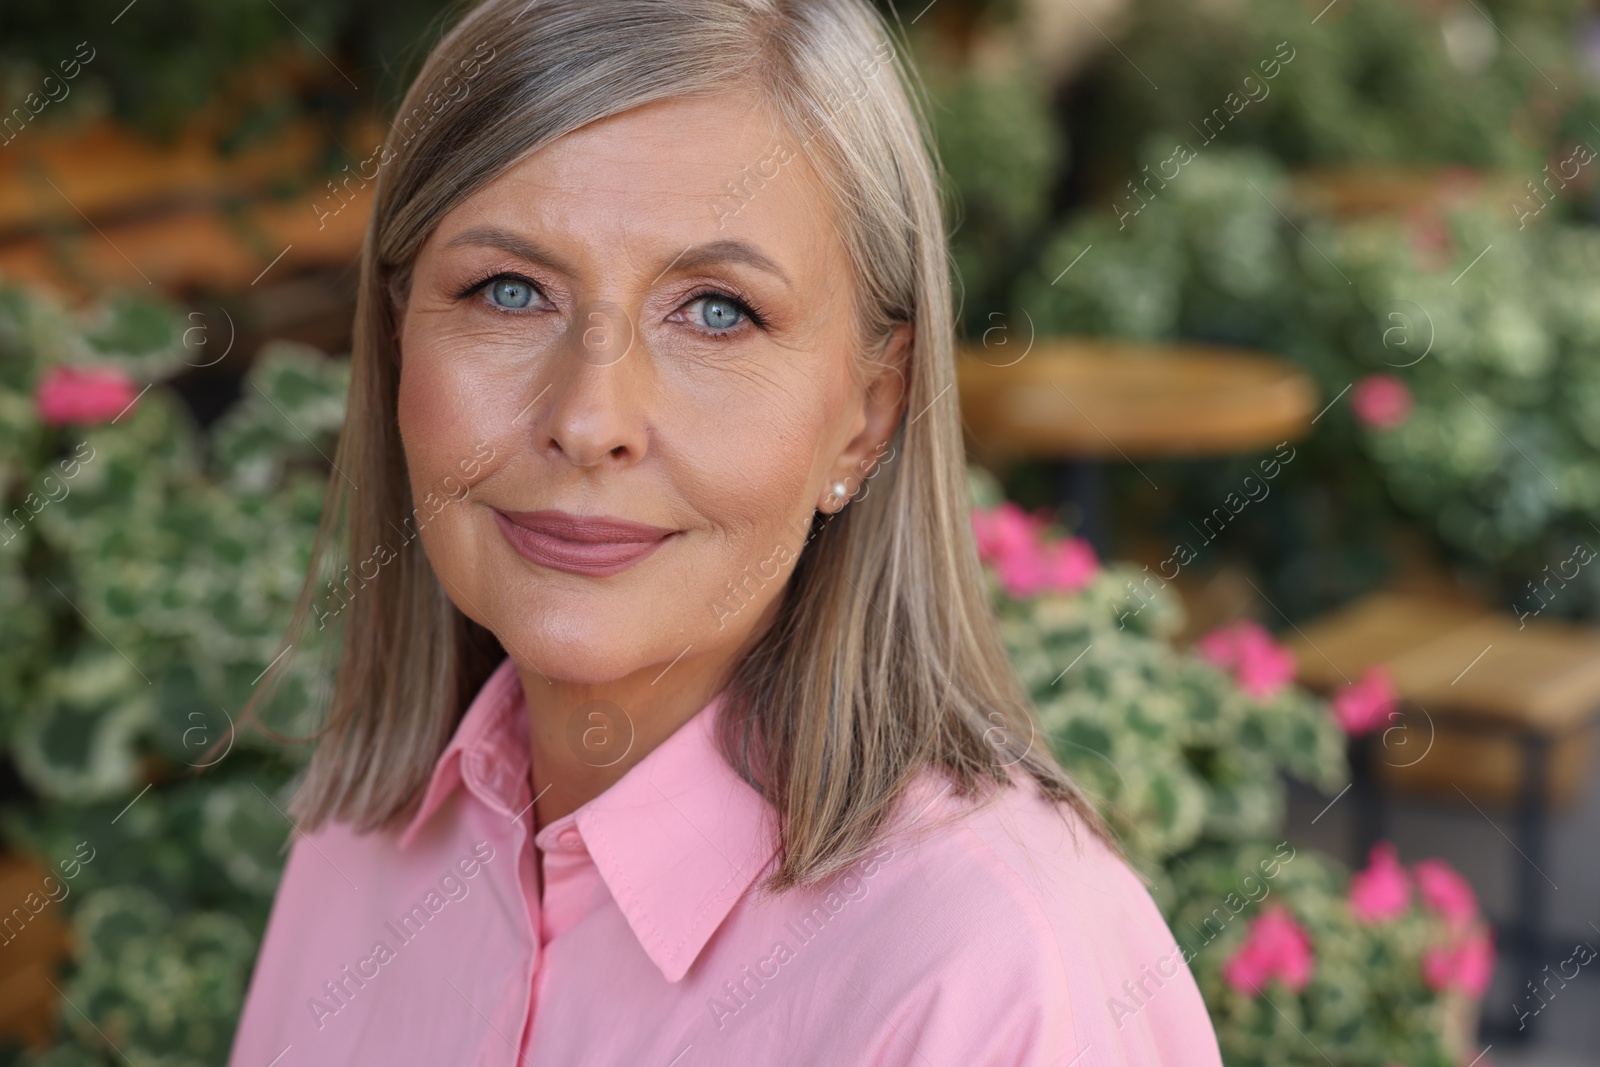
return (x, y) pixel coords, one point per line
(1382, 891)
(1004, 531)
(84, 395)
(1072, 564)
(1466, 965)
(1024, 560)
(1446, 892)
(1264, 668)
(1276, 947)
(1381, 401)
(1439, 967)
(1260, 665)
(1364, 705)
(1023, 572)
(1475, 963)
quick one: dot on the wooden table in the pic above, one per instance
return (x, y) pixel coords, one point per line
(1074, 398)
(1082, 401)
(1494, 710)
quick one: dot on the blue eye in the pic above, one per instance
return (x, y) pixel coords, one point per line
(721, 312)
(510, 293)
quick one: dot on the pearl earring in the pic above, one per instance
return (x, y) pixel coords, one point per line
(842, 492)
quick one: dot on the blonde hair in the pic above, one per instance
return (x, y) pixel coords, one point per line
(884, 657)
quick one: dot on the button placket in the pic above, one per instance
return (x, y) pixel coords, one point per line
(522, 987)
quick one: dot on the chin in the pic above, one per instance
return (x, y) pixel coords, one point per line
(584, 644)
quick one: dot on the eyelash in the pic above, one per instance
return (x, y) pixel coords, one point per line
(474, 286)
(756, 316)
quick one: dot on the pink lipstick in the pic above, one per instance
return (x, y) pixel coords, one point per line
(593, 545)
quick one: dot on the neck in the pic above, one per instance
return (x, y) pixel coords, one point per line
(586, 736)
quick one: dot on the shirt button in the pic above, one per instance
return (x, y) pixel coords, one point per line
(569, 840)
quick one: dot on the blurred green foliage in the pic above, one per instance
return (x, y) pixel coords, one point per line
(1483, 83)
(1367, 1003)
(147, 593)
(1188, 769)
(144, 605)
(1497, 467)
(158, 64)
(1172, 750)
(1498, 459)
(983, 116)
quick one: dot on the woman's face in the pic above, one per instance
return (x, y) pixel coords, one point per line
(643, 381)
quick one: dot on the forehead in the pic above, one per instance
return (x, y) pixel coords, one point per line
(670, 175)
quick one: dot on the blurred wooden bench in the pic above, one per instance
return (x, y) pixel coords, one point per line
(1495, 711)
(1482, 679)
(1364, 190)
(94, 206)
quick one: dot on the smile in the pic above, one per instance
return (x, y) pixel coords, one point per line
(591, 545)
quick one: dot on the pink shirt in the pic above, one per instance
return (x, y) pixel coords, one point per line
(991, 940)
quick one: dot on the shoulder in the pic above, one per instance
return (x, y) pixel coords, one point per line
(1015, 852)
(1040, 924)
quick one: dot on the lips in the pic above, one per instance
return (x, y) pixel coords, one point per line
(594, 545)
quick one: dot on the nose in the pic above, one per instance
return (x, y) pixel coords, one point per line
(595, 413)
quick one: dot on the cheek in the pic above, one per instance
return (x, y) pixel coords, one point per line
(758, 450)
(759, 458)
(448, 409)
(754, 477)
(447, 420)
(750, 484)
(426, 425)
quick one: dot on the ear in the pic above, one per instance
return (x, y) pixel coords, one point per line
(883, 402)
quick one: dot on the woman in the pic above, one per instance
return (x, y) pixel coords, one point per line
(653, 466)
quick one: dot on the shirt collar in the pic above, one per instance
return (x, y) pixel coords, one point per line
(488, 752)
(678, 839)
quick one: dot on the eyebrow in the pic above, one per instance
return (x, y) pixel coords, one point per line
(515, 244)
(726, 250)
(694, 257)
